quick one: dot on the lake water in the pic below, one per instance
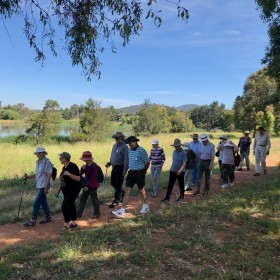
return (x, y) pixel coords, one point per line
(15, 130)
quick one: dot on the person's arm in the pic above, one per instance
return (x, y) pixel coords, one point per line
(47, 185)
(125, 168)
(162, 157)
(268, 144)
(29, 176)
(181, 168)
(212, 157)
(254, 146)
(220, 146)
(75, 175)
(147, 165)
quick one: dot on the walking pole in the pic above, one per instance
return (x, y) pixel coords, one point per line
(22, 195)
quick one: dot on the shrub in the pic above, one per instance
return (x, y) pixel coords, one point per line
(78, 137)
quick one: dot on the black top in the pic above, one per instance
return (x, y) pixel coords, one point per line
(68, 184)
(190, 164)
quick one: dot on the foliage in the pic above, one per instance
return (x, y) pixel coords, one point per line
(19, 108)
(8, 114)
(258, 90)
(78, 137)
(94, 120)
(73, 112)
(51, 105)
(87, 25)
(180, 123)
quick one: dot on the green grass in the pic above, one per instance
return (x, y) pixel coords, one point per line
(230, 235)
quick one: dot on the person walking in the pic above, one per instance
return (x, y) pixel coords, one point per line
(157, 159)
(43, 179)
(177, 171)
(119, 162)
(70, 187)
(195, 145)
(139, 163)
(190, 164)
(223, 138)
(206, 156)
(244, 145)
(261, 149)
(228, 165)
(90, 169)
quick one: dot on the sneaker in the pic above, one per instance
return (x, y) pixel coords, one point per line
(114, 203)
(224, 186)
(188, 189)
(180, 199)
(120, 213)
(45, 221)
(145, 209)
(71, 226)
(165, 200)
(95, 216)
(257, 174)
(231, 184)
(196, 193)
(265, 172)
(29, 224)
(239, 169)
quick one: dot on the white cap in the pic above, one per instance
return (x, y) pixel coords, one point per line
(155, 141)
(40, 150)
(186, 146)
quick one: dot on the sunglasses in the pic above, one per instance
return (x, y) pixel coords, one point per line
(61, 158)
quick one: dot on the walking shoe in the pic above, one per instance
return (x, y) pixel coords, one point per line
(95, 216)
(248, 168)
(188, 189)
(257, 174)
(30, 224)
(180, 199)
(196, 193)
(224, 186)
(120, 213)
(239, 169)
(231, 184)
(153, 194)
(114, 203)
(165, 200)
(45, 221)
(265, 172)
(145, 209)
(71, 226)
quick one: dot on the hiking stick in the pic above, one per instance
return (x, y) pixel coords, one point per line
(22, 195)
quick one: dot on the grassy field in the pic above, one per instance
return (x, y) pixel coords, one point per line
(230, 235)
(17, 160)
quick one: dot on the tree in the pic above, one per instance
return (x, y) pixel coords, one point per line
(94, 120)
(87, 25)
(181, 123)
(51, 105)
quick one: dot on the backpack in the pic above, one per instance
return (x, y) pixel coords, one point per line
(83, 182)
(100, 175)
(54, 173)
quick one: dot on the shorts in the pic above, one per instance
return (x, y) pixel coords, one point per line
(136, 177)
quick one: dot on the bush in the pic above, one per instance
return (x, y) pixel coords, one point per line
(78, 137)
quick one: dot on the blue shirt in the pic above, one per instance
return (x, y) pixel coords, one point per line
(206, 152)
(119, 155)
(195, 146)
(43, 168)
(137, 158)
(178, 158)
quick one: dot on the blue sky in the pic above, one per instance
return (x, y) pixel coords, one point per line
(196, 63)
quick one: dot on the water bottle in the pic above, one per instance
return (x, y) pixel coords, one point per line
(59, 196)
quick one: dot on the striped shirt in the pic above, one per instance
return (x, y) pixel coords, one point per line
(157, 156)
(137, 158)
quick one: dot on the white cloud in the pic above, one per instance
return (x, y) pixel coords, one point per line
(233, 32)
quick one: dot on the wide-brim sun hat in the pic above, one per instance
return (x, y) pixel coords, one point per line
(195, 136)
(176, 143)
(155, 141)
(223, 137)
(118, 134)
(87, 155)
(40, 150)
(130, 139)
(203, 137)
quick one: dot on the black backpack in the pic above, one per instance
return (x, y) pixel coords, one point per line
(54, 173)
(100, 175)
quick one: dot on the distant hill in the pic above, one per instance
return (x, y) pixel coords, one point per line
(187, 107)
(135, 108)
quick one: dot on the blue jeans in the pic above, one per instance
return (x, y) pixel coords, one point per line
(40, 200)
(194, 174)
(155, 170)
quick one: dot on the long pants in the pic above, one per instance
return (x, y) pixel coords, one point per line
(188, 178)
(83, 200)
(155, 170)
(117, 180)
(203, 167)
(260, 153)
(220, 166)
(40, 200)
(194, 174)
(68, 205)
(172, 179)
(228, 173)
(244, 155)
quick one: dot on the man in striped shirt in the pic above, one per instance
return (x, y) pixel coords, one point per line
(138, 162)
(157, 158)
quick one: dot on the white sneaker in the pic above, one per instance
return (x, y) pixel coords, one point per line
(145, 209)
(186, 186)
(224, 186)
(120, 213)
(231, 184)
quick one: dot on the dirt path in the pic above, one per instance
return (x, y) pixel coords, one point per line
(14, 234)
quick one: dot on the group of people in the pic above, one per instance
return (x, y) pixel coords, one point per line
(190, 161)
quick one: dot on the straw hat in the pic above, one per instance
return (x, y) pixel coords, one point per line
(176, 143)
